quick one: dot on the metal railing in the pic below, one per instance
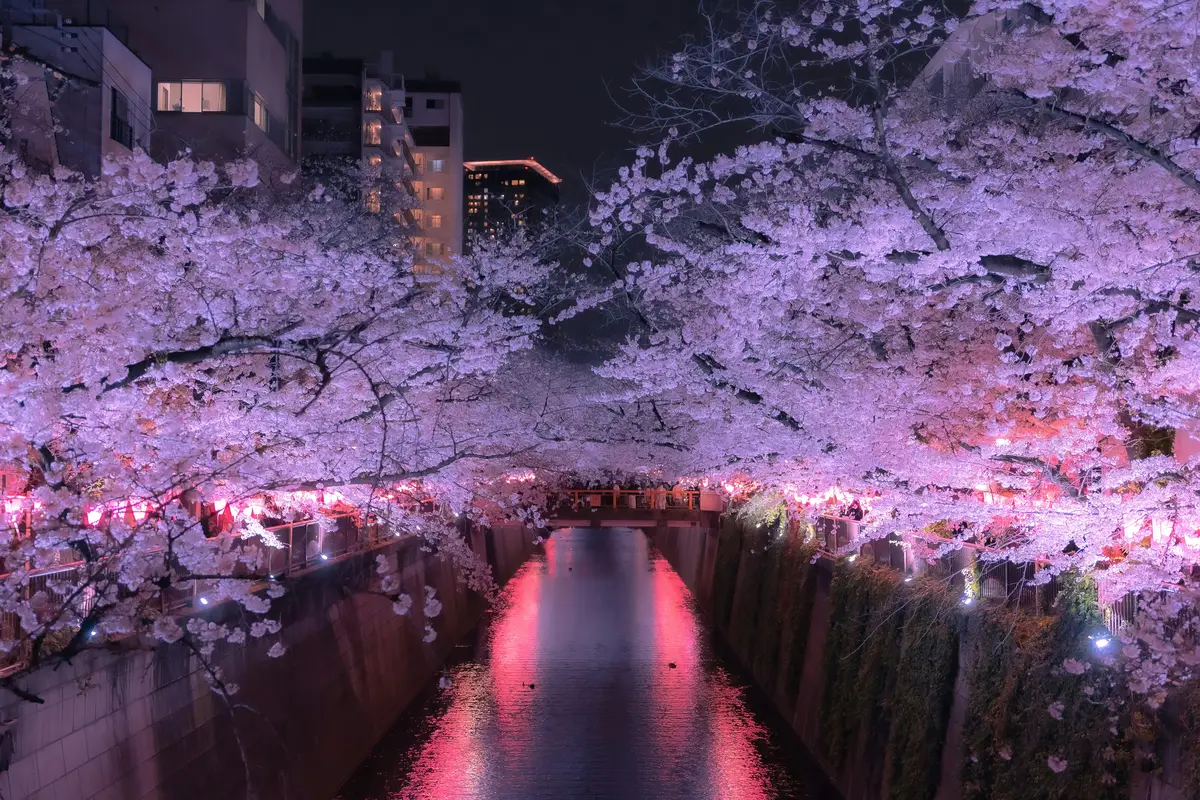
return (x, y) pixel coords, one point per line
(303, 548)
(648, 499)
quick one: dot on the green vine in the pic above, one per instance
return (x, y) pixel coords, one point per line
(1027, 712)
(858, 604)
(890, 663)
(923, 692)
(796, 607)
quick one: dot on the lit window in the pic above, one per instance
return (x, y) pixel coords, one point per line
(191, 96)
(258, 111)
(372, 131)
(418, 215)
(373, 201)
(261, 7)
(375, 159)
(437, 165)
(418, 159)
(436, 193)
(418, 187)
(374, 98)
(435, 220)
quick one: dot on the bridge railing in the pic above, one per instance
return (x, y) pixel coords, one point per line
(646, 499)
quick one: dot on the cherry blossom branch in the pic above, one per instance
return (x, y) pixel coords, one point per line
(1133, 145)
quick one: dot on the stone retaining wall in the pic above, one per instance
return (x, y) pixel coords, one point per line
(124, 724)
(796, 683)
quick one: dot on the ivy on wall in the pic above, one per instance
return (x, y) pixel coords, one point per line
(795, 615)
(763, 592)
(1045, 718)
(1034, 729)
(923, 692)
(890, 661)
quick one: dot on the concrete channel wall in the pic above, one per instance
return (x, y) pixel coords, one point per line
(693, 553)
(126, 724)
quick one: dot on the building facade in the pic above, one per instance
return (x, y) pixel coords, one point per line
(356, 133)
(227, 80)
(434, 110)
(102, 92)
(506, 196)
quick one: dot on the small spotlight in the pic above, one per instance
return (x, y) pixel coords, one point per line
(203, 601)
(853, 557)
(92, 635)
(324, 557)
(967, 600)
(908, 578)
(274, 577)
(1103, 642)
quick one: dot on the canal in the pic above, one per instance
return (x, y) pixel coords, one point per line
(594, 676)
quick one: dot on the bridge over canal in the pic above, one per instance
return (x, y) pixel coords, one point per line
(636, 508)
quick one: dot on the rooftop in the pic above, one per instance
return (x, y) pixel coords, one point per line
(530, 163)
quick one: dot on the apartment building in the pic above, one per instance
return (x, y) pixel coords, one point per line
(87, 96)
(226, 74)
(356, 134)
(506, 196)
(434, 111)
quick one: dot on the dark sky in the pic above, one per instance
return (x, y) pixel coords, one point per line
(533, 71)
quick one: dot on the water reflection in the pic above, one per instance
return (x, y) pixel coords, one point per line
(595, 677)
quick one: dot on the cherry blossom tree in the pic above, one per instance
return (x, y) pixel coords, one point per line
(188, 355)
(958, 271)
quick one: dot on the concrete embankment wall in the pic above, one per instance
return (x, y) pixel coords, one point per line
(122, 724)
(896, 722)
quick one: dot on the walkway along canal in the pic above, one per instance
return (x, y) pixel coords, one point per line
(595, 676)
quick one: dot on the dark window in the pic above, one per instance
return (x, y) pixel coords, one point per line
(435, 102)
(431, 136)
(119, 128)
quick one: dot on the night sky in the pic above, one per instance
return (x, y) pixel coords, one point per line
(534, 72)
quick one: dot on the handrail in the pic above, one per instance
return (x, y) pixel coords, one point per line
(649, 498)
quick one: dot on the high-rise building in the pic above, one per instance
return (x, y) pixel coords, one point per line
(354, 123)
(434, 111)
(85, 96)
(226, 74)
(504, 196)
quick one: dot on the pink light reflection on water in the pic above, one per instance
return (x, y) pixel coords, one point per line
(458, 760)
(595, 623)
(734, 767)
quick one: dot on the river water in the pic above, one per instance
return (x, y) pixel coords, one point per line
(594, 676)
